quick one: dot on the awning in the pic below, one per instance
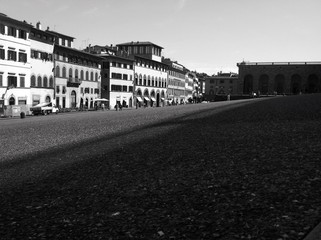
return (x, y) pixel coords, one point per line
(153, 99)
(139, 99)
(146, 98)
(101, 99)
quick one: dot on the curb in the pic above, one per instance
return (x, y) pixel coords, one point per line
(315, 234)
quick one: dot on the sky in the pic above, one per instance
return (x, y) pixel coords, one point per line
(203, 35)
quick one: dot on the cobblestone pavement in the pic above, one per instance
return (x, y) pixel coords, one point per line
(242, 170)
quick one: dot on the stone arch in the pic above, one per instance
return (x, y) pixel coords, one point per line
(296, 84)
(48, 99)
(313, 84)
(264, 84)
(248, 84)
(279, 84)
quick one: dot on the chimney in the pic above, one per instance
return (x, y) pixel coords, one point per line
(38, 25)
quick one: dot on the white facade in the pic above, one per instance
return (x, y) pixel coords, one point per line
(14, 65)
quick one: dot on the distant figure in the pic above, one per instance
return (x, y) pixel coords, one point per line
(103, 106)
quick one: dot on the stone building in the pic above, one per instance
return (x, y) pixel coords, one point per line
(279, 77)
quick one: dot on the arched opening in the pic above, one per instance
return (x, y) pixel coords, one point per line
(279, 84)
(51, 81)
(57, 71)
(33, 81)
(12, 101)
(39, 81)
(264, 84)
(152, 98)
(248, 84)
(45, 82)
(313, 85)
(296, 84)
(146, 98)
(157, 99)
(73, 101)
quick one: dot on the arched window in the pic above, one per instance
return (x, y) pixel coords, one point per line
(96, 77)
(264, 84)
(12, 101)
(136, 79)
(140, 80)
(76, 74)
(87, 75)
(73, 99)
(153, 82)
(51, 81)
(81, 74)
(64, 72)
(57, 71)
(91, 76)
(248, 84)
(279, 84)
(70, 73)
(33, 81)
(39, 81)
(148, 80)
(45, 82)
(145, 80)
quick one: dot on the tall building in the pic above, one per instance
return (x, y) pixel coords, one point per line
(150, 79)
(42, 62)
(14, 66)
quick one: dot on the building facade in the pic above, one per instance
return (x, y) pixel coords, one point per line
(279, 77)
(222, 84)
(150, 74)
(77, 75)
(176, 83)
(14, 66)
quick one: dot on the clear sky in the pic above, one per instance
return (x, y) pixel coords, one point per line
(203, 35)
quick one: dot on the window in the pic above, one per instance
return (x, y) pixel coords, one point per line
(12, 55)
(76, 74)
(91, 91)
(1, 82)
(116, 88)
(130, 88)
(64, 72)
(12, 101)
(57, 71)
(125, 76)
(45, 82)
(96, 77)
(87, 75)
(12, 81)
(51, 82)
(81, 74)
(70, 73)
(22, 57)
(12, 31)
(57, 89)
(124, 88)
(2, 28)
(22, 81)
(22, 101)
(2, 53)
(33, 81)
(22, 34)
(39, 81)
(92, 76)
(63, 42)
(63, 89)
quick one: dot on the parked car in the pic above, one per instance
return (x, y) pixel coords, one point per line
(44, 109)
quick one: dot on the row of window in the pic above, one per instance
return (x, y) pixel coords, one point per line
(12, 81)
(121, 76)
(177, 83)
(41, 81)
(121, 65)
(41, 55)
(151, 65)
(121, 88)
(161, 82)
(13, 55)
(12, 31)
(176, 74)
(75, 74)
(76, 60)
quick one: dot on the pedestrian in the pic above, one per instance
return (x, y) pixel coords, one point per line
(103, 106)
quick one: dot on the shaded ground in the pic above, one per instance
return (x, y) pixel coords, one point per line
(252, 172)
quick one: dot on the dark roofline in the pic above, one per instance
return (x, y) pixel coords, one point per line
(4, 17)
(99, 58)
(60, 34)
(139, 44)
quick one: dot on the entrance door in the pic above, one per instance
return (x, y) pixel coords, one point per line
(73, 99)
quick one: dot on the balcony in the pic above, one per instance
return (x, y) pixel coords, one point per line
(73, 82)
